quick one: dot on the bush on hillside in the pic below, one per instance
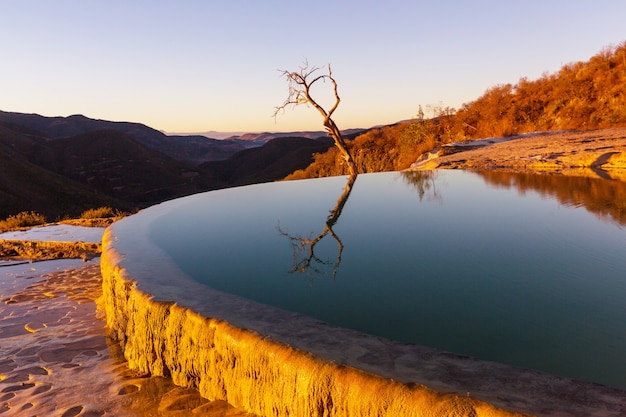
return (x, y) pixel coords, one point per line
(100, 213)
(23, 219)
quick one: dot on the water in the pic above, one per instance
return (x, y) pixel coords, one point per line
(523, 270)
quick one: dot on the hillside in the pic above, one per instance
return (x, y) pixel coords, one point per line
(115, 164)
(27, 187)
(194, 149)
(270, 162)
(65, 176)
(265, 137)
(582, 95)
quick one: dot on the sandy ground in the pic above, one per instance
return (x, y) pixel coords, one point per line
(596, 153)
(55, 358)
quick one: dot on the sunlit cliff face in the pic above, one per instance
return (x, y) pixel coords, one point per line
(253, 372)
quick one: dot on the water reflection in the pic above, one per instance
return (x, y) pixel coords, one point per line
(303, 247)
(305, 258)
(424, 183)
(458, 261)
(604, 198)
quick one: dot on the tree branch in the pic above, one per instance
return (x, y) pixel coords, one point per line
(299, 92)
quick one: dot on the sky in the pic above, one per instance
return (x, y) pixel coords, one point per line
(196, 66)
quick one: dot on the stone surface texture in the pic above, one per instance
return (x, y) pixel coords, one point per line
(594, 153)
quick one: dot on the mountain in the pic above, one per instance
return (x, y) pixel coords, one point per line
(67, 173)
(267, 136)
(110, 166)
(25, 186)
(117, 165)
(197, 149)
(264, 136)
(270, 162)
(211, 134)
(194, 149)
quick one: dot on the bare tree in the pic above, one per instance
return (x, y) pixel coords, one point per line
(300, 83)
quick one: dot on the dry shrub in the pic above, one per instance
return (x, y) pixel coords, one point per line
(100, 213)
(23, 219)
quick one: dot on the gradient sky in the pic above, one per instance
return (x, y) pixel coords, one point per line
(195, 66)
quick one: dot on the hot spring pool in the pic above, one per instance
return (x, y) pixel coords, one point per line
(528, 271)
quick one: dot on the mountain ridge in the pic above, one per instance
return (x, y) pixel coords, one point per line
(115, 168)
(25, 186)
(194, 149)
(191, 148)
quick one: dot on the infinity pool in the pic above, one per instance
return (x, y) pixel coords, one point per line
(491, 268)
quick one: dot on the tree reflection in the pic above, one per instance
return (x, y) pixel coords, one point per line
(305, 259)
(424, 183)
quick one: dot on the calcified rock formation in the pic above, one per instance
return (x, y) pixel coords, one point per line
(28, 249)
(252, 371)
(593, 154)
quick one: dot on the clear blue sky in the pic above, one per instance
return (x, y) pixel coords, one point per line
(194, 66)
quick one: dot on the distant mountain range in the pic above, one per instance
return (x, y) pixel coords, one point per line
(64, 165)
(267, 136)
(264, 136)
(196, 148)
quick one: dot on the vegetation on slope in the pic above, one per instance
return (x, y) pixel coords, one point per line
(25, 186)
(22, 219)
(272, 161)
(94, 217)
(193, 149)
(61, 177)
(582, 95)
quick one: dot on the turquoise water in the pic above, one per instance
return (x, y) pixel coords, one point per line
(451, 260)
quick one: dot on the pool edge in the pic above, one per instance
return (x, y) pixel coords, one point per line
(241, 367)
